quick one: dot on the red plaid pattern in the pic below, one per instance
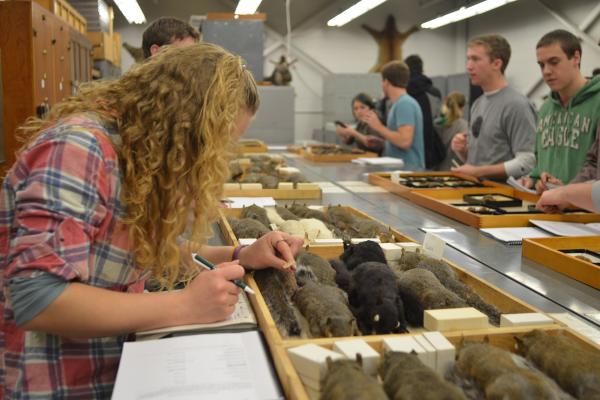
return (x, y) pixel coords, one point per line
(60, 213)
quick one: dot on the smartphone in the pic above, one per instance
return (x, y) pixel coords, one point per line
(340, 123)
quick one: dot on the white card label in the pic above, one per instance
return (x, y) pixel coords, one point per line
(433, 246)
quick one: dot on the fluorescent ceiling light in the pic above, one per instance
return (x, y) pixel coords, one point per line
(247, 6)
(131, 10)
(353, 12)
(464, 13)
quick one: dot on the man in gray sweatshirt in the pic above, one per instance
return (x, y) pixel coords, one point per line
(501, 133)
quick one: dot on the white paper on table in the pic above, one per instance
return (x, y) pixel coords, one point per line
(515, 183)
(379, 161)
(240, 202)
(366, 189)
(215, 366)
(333, 190)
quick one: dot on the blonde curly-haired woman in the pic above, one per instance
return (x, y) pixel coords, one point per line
(95, 204)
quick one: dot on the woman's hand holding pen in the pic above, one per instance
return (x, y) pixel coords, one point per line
(211, 296)
(275, 249)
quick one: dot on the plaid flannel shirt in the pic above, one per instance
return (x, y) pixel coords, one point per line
(60, 214)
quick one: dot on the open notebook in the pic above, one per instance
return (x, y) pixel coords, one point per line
(242, 319)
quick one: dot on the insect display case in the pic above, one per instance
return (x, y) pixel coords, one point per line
(575, 257)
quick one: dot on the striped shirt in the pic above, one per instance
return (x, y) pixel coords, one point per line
(60, 214)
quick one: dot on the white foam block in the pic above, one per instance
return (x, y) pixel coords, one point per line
(525, 319)
(285, 185)
(392, 251)
(410, 246)
(454, 319)
(246, 241)
(404, 344)
(251, 186)
(307, 186)
(360, 240)
(328, 242)
(444, 351)
(350, 348)
(310, 360)
(428, 357)
(231, 186)
(316, 207)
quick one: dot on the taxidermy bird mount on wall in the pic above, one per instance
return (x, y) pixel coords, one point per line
(136, 52)
(390, 42)
(281, 75)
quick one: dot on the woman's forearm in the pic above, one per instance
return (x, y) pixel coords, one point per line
(84, 311)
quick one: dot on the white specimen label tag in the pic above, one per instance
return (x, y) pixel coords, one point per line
(433, 246)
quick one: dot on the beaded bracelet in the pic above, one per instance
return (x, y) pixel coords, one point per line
(236, 252)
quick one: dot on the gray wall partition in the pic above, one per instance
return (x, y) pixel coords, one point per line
(274, 121)
(242, 37)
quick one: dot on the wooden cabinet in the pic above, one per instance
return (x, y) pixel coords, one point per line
(44, 61)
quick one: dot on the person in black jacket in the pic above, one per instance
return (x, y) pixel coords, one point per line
(429, 98)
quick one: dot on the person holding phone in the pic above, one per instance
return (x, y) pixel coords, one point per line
(364, 136)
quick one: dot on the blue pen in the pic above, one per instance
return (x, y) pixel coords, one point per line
(198, 259)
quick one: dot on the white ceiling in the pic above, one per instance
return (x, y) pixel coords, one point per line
(301, 11)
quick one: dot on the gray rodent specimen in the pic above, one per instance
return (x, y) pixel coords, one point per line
(296, 178)
(410, 259)
(340, 217)
(420, 291)
(257, 213)
(326, 310)
(303, 211)
(277, 288)
(375, 299)
(235, 170)
(268, 181)
(345, 380)
(247, 228)
(448, 278)
(503, 375)
(405, 377)
(320, 267)
(286, 214)
(576, 369)
(366, 228)
(250, 178)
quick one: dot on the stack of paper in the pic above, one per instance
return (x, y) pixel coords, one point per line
(514, 236)
(211, 366)
(361, 187)
(379, 161)
(559, 228)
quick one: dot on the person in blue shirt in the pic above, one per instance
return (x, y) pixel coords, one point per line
(404, 131)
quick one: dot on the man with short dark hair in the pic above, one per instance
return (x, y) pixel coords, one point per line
(420, 87)
(167, 30)
(404, 131)
(568, 118)
(502, 128)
